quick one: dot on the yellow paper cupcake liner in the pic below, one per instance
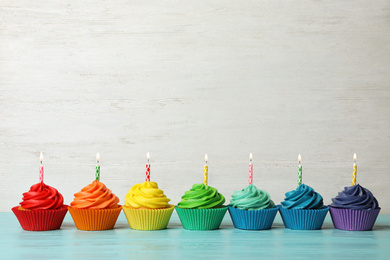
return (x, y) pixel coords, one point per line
(148, 219)
(95, 219)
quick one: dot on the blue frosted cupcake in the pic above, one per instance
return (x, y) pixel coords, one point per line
(355, 208)
(303, 209)
(252, 209)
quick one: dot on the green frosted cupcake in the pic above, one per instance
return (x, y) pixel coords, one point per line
(201, 208)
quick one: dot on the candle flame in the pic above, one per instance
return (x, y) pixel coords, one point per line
(354, 156)
(206, 158)
(148, 155)
(41, 157)
(299, 158)
(97, 157)
(250, 156)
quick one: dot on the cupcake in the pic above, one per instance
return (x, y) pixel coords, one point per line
(252, 209)
(303, 209)
(42, 208)
(201, 208)
(95, 207)
(146, 207)
(355, 208)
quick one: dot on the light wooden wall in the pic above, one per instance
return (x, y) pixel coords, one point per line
(180, 79)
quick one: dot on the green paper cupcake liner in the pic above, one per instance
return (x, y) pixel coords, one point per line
(201, 219)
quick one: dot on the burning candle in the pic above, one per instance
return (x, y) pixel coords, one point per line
(250, 179)
(354, 171)
(147, 167)
(205, 170)
(299, 170)
(41, 168)
(97, 167)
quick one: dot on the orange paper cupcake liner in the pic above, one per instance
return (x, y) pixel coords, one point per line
(40, 220)
(95, 219)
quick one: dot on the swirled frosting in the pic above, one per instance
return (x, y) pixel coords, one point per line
(355, 197)
(146, 195)
(42, 196)
(95, 196)
(201, 196)
(304, 197)
(251, 198)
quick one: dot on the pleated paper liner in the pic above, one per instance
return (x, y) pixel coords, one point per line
(148, 219)
(353, 220)
(303, 219)
(40, 220)
(201, 219)
(95, 219)
(253, 219)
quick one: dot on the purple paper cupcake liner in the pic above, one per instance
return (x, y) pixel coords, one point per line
(253, 219)
(303, 219)
(353, 220)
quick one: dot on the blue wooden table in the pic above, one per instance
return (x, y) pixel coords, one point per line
(177, 243)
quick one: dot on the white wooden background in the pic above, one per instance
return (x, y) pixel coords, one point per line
(180, 79)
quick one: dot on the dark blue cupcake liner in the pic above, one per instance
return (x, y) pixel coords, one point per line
(253, 219)
(303, 219)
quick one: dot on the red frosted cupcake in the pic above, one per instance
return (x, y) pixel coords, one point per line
(42, 208)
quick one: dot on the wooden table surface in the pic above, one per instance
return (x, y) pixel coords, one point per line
(178, 243)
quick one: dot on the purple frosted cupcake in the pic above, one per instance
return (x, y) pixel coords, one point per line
(303, 209)
(355, 208)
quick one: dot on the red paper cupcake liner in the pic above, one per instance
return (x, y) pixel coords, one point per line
(353, 220)
(40, 220)
(95, 219)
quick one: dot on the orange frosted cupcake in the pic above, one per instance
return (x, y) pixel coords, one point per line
(95, 207)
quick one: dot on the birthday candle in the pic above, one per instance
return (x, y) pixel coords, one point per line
(41, 168)
(205, 170)
(354, 170)
(97, 167)
(147, 167)
(250, 179)
(299, 170)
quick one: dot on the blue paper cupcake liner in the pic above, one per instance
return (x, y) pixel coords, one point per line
(253, 219)
(303, 219)
(353, 220)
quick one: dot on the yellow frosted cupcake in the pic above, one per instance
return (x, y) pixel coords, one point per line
(146, 207)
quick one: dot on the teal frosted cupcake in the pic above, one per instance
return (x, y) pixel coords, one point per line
(252, 209)
(201, 208)
(303, 209)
